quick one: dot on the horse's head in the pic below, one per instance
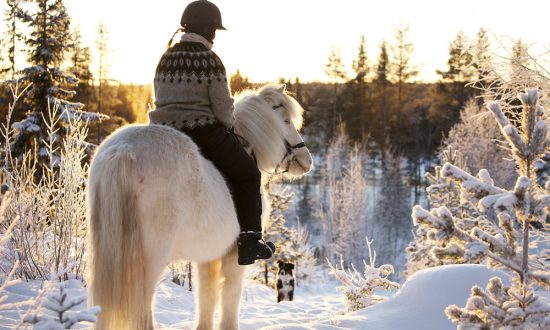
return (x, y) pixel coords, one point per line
(270, 120)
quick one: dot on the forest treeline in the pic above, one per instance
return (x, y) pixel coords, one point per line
(384, 105)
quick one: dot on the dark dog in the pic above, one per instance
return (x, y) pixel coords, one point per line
(285, 281)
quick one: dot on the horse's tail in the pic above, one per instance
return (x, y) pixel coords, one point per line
(119, 282)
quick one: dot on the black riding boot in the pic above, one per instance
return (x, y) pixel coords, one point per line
(251, 246)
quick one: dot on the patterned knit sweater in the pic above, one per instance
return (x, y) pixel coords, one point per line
(191, 86)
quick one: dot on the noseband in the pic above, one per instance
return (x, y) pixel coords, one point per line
(289, 153)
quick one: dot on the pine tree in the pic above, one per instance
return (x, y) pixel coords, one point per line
(47, 45)
(102, 44)
(334, 69)
(79, 65)
(519, 60)
(506, 245)
(383, 65)
(61, 308)
(381, 86)
(360, 64)
(443, 191)
(459, 63)
(276, 230)
(452, 90)
(402, 69)
(239, 83)
(356, 111)
(481, 56)
(11, 36)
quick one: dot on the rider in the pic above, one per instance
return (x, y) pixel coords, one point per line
(192, 95)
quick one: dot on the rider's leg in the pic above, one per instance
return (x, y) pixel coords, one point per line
(224, 150)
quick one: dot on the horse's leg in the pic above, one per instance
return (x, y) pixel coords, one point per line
(233, 274)
(208, 276)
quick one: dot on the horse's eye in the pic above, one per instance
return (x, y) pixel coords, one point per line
(287, 121)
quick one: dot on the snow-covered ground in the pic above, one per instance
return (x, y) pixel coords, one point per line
(418, 305)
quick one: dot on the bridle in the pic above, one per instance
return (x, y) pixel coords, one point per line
(289, 153)
(289, 149)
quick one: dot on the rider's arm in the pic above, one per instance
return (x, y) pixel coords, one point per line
(220, 97)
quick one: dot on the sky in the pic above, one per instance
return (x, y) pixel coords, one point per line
(267, 40)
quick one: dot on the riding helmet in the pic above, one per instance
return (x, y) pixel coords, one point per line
(202, 12)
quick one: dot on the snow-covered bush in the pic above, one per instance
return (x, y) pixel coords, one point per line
(59, 307)
(7, 275)
(306, 269)
(506, 245)
(51, 211)
(360, 289)
(343, 199)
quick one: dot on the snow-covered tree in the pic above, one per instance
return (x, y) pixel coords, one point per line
(80, 58)
(306, 269)
(441, 192)
(360, 289)
(506, 245)
(288, 247)
(275, 227)
(475, 136)
(343, 199)
(506, 71)
(391, 225)
(47, 45)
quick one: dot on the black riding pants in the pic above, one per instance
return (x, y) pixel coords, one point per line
(223, 149)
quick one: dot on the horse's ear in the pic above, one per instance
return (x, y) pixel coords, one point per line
(282, 88)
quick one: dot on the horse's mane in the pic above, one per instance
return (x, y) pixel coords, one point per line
(262, 126)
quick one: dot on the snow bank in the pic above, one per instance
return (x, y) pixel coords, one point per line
(422, 300)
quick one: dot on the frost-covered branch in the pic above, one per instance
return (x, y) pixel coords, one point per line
(50, 212)
(360, 289)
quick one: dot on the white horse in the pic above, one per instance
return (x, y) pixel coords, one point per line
(153, 198)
